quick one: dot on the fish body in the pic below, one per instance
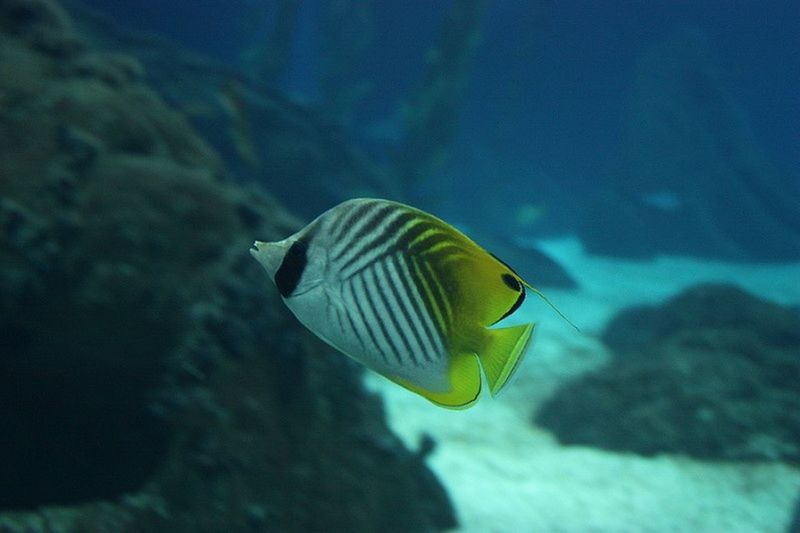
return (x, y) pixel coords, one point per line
(405, 294)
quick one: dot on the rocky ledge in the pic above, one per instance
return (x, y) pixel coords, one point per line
(151, 380)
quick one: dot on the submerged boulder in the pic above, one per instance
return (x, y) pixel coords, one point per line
(301, 155)
(713, 373)
(794, 527)
(150, 379)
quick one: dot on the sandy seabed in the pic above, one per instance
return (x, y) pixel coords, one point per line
(505, 474)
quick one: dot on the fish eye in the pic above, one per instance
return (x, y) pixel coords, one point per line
(511, 282)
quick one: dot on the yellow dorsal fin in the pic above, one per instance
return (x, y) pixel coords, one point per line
(501, 351)
(464, 376)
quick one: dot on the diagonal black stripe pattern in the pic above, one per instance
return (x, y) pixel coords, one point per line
(346, 220)
(366, 226)
(404, 237)
(365, 322)
(380, 321)
(400, 303)
(436, 303)
(386, 235)
(414, 299)
(392, 318)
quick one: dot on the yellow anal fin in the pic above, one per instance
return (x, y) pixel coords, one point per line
(501, 352)
(464, 376)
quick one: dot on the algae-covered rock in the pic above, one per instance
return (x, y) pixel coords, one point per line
(713, 373)
(794, 527)
(42, 24)
(150, 379)
(301, 155)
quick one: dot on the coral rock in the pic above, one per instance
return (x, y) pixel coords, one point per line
(713, 373)
(150, 380)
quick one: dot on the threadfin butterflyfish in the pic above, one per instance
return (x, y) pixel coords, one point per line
(405, 294)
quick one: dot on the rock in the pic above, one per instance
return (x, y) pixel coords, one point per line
(113, 69)
(302, 156)
(713, 373)
(42, 24)
(150, 379)
(794, 527)
(715, 307)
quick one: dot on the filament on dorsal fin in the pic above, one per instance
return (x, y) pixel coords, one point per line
(538, 293)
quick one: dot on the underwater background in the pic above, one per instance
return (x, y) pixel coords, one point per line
(639, 162)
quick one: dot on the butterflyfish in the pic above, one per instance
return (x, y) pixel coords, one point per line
(405, 294)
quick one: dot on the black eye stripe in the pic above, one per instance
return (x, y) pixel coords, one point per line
(294, 263)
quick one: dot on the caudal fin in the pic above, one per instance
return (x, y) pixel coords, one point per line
(501, 353)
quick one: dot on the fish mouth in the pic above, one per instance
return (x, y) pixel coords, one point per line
(256, 247)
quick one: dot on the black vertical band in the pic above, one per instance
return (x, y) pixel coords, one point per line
(294, 263)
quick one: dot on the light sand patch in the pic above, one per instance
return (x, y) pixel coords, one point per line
(506, 475)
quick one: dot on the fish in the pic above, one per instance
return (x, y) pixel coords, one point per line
(406, 295)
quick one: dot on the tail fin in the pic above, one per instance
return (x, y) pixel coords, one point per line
(501, 353)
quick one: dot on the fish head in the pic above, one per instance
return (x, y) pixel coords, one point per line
(270, 254)
(297, 266)
(294, 264)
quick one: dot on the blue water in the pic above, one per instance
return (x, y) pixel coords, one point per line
(547, 88)
(558, 71)
(650, 146)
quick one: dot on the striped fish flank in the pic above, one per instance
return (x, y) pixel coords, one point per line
(393, 310)
(405, 294)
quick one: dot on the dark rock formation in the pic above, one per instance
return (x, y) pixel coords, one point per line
(150, 379)
(794, 527)
(306, 160)
(44, 27)
(692, 179)
(713, 373)
(305, 155)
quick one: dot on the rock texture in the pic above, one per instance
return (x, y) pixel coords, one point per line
(794, 527)
(150, 379)
(303, 157)
(713, 373)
